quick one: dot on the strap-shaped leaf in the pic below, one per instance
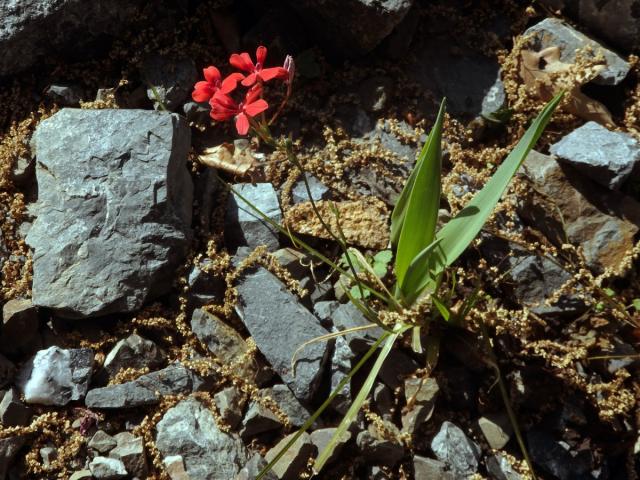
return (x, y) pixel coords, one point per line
(421, 215)
(460, 231)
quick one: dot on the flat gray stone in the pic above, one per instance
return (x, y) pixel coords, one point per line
(221, 339)
(189, 430)
(230, 401)
(102, 442)
(288, 403)
(430, 469)
(103, 468)
(257, 420)
(553, 32)
(379, 451)
(55, 376)
(500, 469)
(133, 352)
(145, 390)
(319, 191)
(113, 212)
(496, 429)
(295, 459)
(604, 156)
(452, 447)
(279, 324)
(246, 227)
(321, 438)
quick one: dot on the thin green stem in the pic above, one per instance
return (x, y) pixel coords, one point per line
(505, 397)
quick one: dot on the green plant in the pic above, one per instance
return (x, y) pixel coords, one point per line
(421, 260)
(417, 295)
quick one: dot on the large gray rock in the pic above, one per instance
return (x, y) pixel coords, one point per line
(32, 29)
(190, 430)
(452, 447)
(615, 21)
(246, 227)
(144, 390)
(553, 32)
(114, 209)
(279, 324)
(606, 157)
(564, 205)
(55, 376)
(352, 27)
(295, 459)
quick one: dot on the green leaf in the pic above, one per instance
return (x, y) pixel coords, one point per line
(421, 215)
(311, 420)
(417, 277)
(355, 407)
(609, 292)
(460, 231)
(444, 311)
(383, 256)
(636, 304)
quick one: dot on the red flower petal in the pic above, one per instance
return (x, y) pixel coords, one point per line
(253, 109)
(212, 74)
(202, 91)
(253, 94)
(267, 74)
(250, 80)
(261, 55)
(230, 83)
(242, 62)
(242, 124)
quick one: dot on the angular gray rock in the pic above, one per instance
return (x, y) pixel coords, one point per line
(279, 324)
(553, 32)
(452, 447)
(103, 468)
(379, 451)
(430, 468)
(420, 395)
(12, 411)
(604, 156)
(114, 209)
(145, 390)
(133, 352)
(221, 339)
(351, 27)
(55, 376)
(615, 21)
(230, 403)
(347, 316)
(32, 29)
(321, 438)
(319, 191)
(500, 469)
(102, 442)
(171, 79)
(295, 459)
(189, 430)
(496, 429)
(19, 326)
(570, 206)
(246, 227)
(288, 403)
(257, 420)
(130, 451)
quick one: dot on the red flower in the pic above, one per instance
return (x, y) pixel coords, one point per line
(243, 62)
(224, 108)
(204, 90)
